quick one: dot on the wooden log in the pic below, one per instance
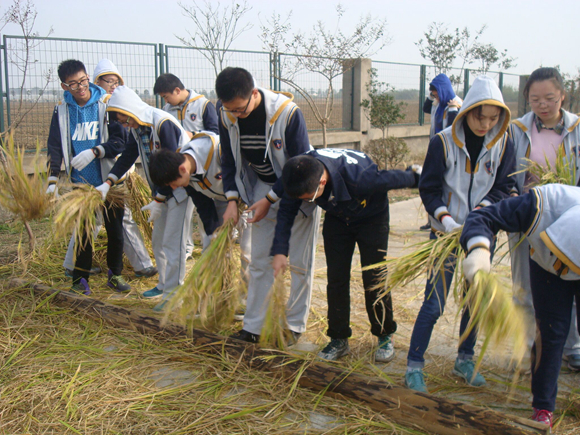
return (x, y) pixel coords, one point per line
(403, 406)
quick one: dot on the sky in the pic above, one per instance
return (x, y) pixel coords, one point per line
(535, 32)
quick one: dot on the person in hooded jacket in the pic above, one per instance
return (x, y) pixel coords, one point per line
(467, 167)
(80, 136)
(151, 130)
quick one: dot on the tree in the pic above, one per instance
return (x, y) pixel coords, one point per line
(216, 27)
(488, 55)
(327, 52)
(439, 47)
(382, 110)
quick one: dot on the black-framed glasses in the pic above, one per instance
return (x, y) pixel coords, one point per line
(111, 83)
(75, 85)
(239, 110)
(315, 192)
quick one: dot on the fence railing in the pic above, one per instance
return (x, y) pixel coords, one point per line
(30, 86)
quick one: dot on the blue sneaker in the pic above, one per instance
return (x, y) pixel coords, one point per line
(415, 380)
(154, 293)
(465, 369)
(147, 272)
(82, 287)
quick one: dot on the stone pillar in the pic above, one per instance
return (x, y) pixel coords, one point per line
(354, 90)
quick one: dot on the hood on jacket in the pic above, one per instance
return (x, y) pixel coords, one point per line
(446, 93)
(104, 67)
(483, 92)
(96, 94)
(562, 242)
(126, 101)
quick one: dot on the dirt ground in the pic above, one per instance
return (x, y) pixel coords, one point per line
(406, 217)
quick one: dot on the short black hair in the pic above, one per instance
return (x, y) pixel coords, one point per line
(541, 74)
(70, 67)
(164, 166)
(301, 175)
(234, 83)
(167, 83)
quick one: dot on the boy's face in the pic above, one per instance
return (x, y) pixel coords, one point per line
(241, 107)
(108, 82)
(78, 85)
(174, 98)
(182, 180)
(125, 119)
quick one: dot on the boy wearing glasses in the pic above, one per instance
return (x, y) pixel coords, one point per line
(81, 137)
(352, 190)
(259, 131)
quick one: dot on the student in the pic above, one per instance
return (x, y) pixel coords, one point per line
(443, 105)
(548, 131)
(151, 130)
(108, 77)
(467, 167)
(195, 113)
(259, 131)
(80, 135)
(548, 216)
(352, 190)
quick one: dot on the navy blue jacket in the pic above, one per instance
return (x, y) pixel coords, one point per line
(358, 191)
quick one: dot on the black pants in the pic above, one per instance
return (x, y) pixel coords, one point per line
(113, 218)
(372, 236)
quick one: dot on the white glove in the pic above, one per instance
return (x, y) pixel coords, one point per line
(155, 208)
(478, 259)
(417, 169)
(104, 189)
(81, 161)
(449, 224)
(51, 189)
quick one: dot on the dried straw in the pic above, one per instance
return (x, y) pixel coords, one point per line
(275, 332)
(564, 171)
(139, 196)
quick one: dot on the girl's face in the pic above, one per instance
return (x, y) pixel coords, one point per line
(482, 122)
(546, 100)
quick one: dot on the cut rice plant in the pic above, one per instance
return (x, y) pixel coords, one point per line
(209, 295)
(564, 171)
(495, 315)
(139, 196)
(275, 332)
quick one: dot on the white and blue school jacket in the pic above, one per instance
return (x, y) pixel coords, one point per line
(548, 215)
(196, 114)
(448, 184)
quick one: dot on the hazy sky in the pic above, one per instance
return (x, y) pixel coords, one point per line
(537, 32)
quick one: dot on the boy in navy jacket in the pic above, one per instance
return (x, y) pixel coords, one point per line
(353, 191)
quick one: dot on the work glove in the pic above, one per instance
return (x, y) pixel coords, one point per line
(417, 169)
(80, 161)
(104, 189)
(51, 189)
(449, 224)
(476, 260)
(155, 208)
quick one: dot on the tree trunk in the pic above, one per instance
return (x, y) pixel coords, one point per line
(403, 406)
(324, 143)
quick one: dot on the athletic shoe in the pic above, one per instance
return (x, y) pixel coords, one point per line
(573, 362)
(154, 293)
(117, 283)
(94, 271)
(147, 272)
(338, 347)
(386, 351)
(246, 336)
(425, 227)
(415, 380)
(542, 416)
(465, 369)
(82, 287)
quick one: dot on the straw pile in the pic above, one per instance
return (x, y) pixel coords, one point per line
(564, 172)
(139, 196)
(210, 292)
(275, 332)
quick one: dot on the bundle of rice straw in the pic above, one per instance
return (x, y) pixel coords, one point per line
(495, 315)
(77, 211)
(139, 196)
(564, 171)
(209, 295)
(275, 332)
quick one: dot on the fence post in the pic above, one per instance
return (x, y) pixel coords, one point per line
(465, 82)
(279, 71)
(422, 79)
(159, 69)
(501, 81)
(1, 95)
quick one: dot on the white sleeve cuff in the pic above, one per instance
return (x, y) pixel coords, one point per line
(232, 195)
(478, 242)
(101, 151)
(272, 197)
(52, 180)
(485, 203)
(440, 212)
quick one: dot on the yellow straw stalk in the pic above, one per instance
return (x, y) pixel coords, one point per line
(139, 196)
(564, 172)
(275, 332)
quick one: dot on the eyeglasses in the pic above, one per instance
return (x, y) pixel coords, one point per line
(315, 192)
(239, 110)
(548, 101)
(111, 83)
(75, 85)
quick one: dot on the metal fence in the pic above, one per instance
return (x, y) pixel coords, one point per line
(31, 90)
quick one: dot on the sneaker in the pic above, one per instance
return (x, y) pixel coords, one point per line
(465, 369)
(94, 271)
(82, 287)
(386, 351)
(542, 416)
(147, 272)
(573, 362)
(426, 227)
(415, 380)
(338, 347)
(246, 336)
(154, 293)
(118, 283)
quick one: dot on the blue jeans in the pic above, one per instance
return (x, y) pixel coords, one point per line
(432, 308)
